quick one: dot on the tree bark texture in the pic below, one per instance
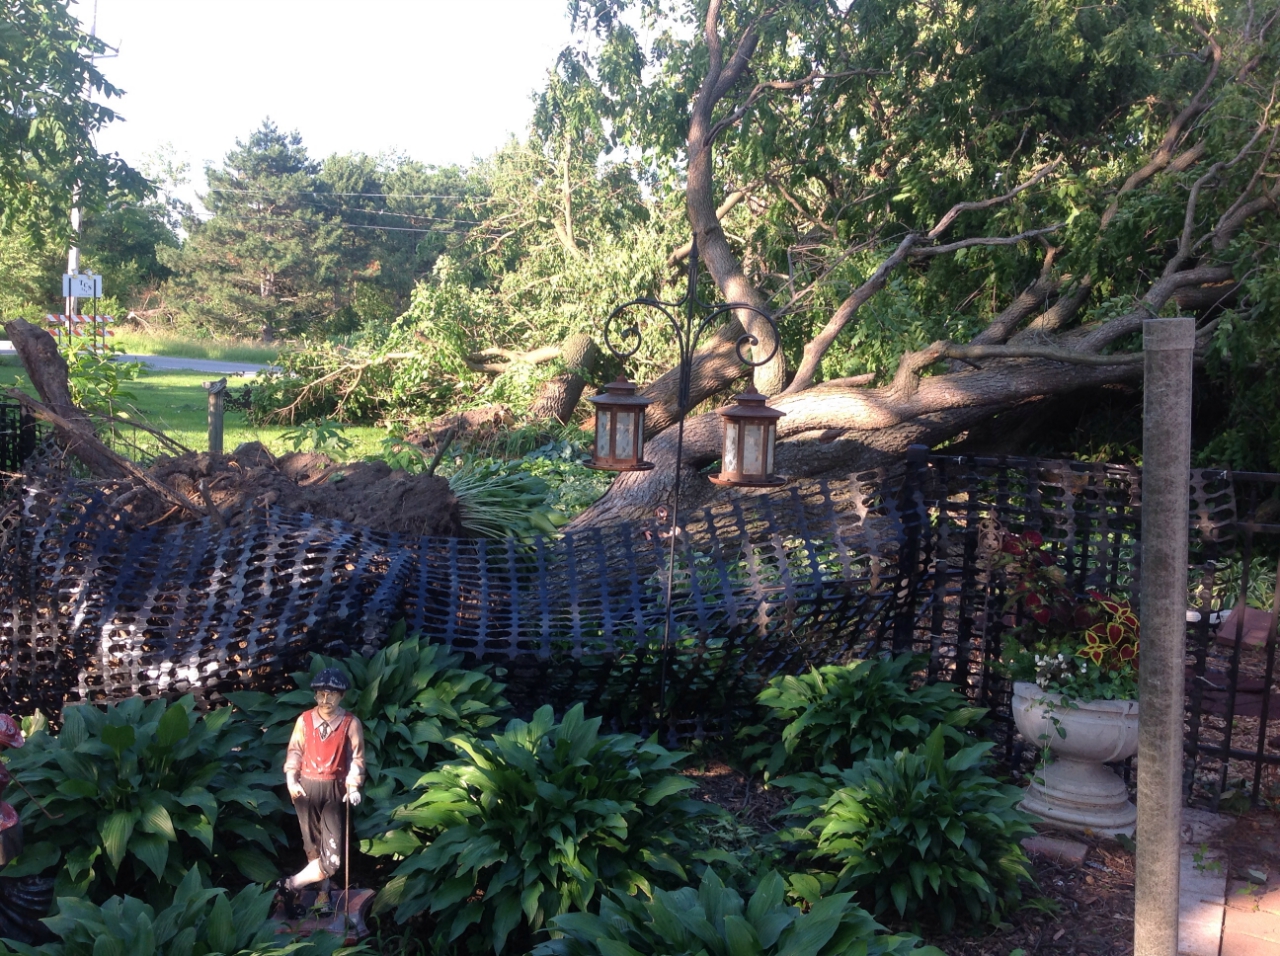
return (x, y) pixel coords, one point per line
(559, 395)
(1034, 349)
(48, 373)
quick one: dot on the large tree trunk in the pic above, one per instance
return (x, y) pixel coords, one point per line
(1035, 348)
(559, 395)
(837, 430)
(48, 373)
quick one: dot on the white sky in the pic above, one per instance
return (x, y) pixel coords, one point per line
(443, 81)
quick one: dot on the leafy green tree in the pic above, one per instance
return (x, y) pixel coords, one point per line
(960, 212)
(47, 120)
(269, 258)
(399, 216)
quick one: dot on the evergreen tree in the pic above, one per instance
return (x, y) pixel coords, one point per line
(270, 258)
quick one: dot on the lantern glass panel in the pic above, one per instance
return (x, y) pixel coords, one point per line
(603, 419)
(730, 448)
(768, 457)
(753, 448)
(624, 435)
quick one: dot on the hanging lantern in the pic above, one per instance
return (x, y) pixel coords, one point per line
(750, 432)
(620, 428)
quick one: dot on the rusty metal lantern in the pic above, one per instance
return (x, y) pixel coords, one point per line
(750, 432)
(620, 428)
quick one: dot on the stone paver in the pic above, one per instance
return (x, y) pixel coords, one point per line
(1252, 926)
(1070, 852)
(1202, 882)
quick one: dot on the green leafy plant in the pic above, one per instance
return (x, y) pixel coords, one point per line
(95, 378)
(715, 921)
(319, 434)
(920, 832)
(841, 714)
(533, 823)
(411, 697)
(199, 921)
(498, 502)
(1085, 648)
(135, 793)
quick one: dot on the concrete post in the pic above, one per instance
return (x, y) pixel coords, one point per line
(1166, 477)
(217, 391)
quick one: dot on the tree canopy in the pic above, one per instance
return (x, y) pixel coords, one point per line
(48, 119)
(300, 246)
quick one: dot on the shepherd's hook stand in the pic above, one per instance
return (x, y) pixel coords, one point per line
(688, 330)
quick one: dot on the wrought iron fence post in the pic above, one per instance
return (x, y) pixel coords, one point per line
(911, 557)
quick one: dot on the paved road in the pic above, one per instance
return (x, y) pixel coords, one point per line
(171, 363)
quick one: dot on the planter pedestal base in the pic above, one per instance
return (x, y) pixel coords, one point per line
(1076, 790)
(1081, 795)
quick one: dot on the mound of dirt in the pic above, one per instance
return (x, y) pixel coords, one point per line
(368, 494)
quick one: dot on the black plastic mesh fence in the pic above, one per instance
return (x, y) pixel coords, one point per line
(92, 608)
(816, 573)
(1090, 517)
(17, 436)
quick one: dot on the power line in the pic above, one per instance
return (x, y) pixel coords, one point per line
(340, 225)
(306, 192)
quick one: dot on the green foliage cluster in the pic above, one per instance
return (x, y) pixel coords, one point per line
(537, 493)
(292, 245)
(840, 714)
(411, 697)
(199, 922)
(135, 793)
(52, 102)
(95, 376)
(921, 832)
(714, 920)
(547, 833)
(536, 293)
(535, 822)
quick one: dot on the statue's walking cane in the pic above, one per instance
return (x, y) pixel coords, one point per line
(346, 869)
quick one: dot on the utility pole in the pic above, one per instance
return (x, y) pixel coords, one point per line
(73, 254)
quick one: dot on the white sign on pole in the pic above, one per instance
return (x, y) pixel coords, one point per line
(82, 286)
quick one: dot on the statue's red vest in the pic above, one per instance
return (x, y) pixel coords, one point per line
(326, 759)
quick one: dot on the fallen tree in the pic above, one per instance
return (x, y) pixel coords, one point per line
(1198, 213)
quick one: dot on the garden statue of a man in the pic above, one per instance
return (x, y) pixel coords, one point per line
(324, 769)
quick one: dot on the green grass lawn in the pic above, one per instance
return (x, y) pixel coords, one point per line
(176, 403)
(138, 342)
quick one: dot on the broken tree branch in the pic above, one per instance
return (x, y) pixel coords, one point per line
(954, 213)
(1165, 151)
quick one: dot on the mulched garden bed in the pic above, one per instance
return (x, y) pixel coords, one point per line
(1085, 910)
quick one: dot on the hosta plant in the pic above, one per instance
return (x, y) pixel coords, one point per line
(837, 715)
(921, 833)
(198, 922)
(713, 920)
(134, 793)
(411, 696)
(535, 822)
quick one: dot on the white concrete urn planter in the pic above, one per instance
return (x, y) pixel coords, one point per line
(1076, 790)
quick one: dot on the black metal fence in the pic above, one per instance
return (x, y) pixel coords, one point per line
(1090, 517)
